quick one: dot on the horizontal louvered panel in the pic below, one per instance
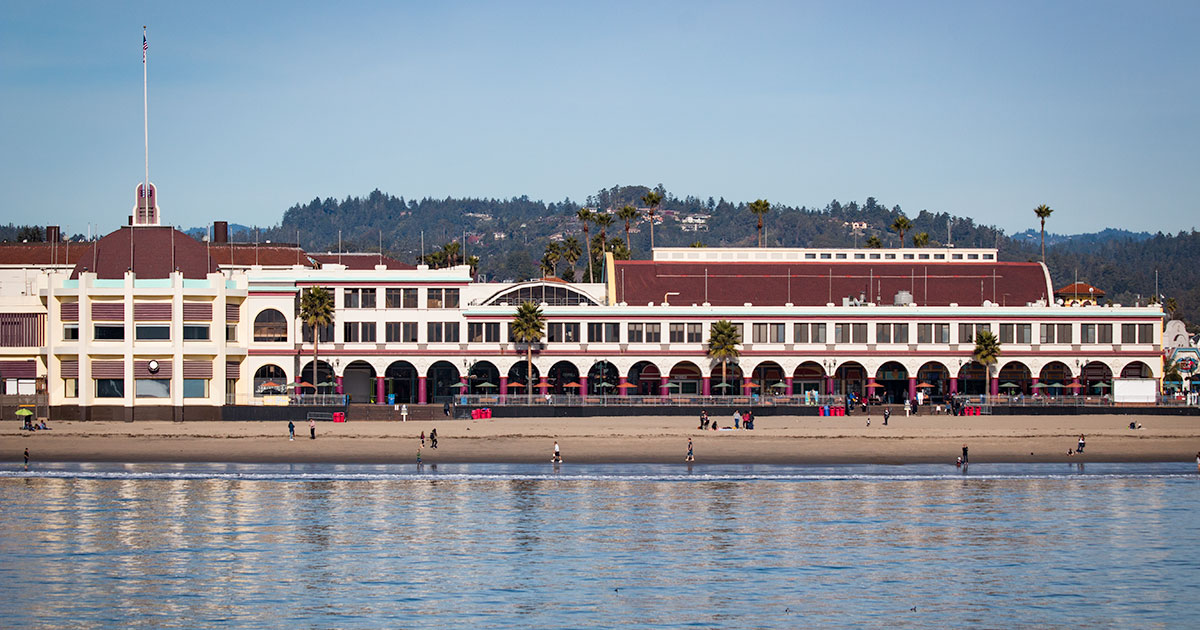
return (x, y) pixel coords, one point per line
(197, 311)
(69, 369)
(108, 369)
(108, 311)
(197, 369)
(233, 312)
(141, 369)
(233, 369)
(18, 369)
(70, 312)
(152, 312)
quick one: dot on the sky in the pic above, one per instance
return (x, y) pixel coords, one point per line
(979, 109)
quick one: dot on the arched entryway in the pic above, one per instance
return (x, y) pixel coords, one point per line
(972, 379)
(729, 384)
(520, 383)
(1096, 378)
(1054, 379)
(1015, 378)
(441, 382)
(767, 378)
(933, 378)
(892, 378)
(603, 378)
(400, 380)
(483, 379)
(685, 378)
(324, 375)
(808, 377)
(644, 377)
(850, 377)
(358, 381)
(564, 379)
(1136, 369)
(270, 380)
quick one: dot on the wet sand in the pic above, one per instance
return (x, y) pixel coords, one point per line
(657, 439)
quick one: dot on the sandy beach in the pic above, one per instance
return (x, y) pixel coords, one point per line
(781, 440)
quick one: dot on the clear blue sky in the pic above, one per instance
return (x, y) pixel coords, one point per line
(982, 109)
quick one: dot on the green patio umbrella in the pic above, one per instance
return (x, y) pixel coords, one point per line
(486, 386)
(778, 385)
(459, 385)
(722, 386)
(24, 412)
(1009, 385)
(1102, 386)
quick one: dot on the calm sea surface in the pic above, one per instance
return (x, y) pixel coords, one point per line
(600, 546)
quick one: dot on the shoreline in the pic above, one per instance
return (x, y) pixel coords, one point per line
(620, 440)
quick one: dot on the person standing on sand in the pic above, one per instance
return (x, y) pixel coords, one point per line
(557, 454)
(422, 438)
(418, 456)
(690, 457)
(312, 429)
(737, 419)
(703, 419)
(291, 431)
(964, 455)
(1081, 445)
(433, 438)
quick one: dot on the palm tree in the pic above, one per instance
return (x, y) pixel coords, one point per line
(627, 214)
(553, 255)
(652, 199)
(1171, 373)
(527, 328)
(1043, 212)
(759, 208)
(1171, 306)
(921, 239)
(452, 251)
(901, 225)
(316, 311)
(987, 352)
(619, 250)
(571, 251)
(723, 340)
(698, 244)
(874, 243)
(473, 261)
(603, 221)
(585, 216)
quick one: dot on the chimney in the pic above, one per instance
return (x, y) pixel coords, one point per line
(220, 232)
(52, 234)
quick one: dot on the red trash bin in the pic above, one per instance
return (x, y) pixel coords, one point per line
(339, 416)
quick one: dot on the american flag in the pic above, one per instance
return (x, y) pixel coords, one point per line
(145, 47)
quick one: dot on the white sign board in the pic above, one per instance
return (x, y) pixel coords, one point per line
(1135, 390)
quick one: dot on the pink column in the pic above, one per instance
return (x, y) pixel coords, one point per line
(706, 385)
(583, 387)
(828, 385)
(380, 398)
(788, 381)
(995, 387)
(422, 398)
(1033, 386)
(663, 390)
(1075, 390)
(339, 389)
(503, 389)
(870, 390)
(953, 384)
(544, 384)
(624, 391)
(912, 388)
(464, 390)
(746, 387)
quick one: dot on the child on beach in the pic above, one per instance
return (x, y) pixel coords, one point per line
(690, 457)
(557, 454)
(422, 438)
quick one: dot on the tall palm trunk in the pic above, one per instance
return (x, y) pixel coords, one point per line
(529, 371)
(1043, 241)
(587, 245)
(314, 377)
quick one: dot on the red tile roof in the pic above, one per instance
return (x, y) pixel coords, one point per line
(815, 284)
(155, 251)
(268, 255)
(1078, 289)
(360, 260)
(37, 254)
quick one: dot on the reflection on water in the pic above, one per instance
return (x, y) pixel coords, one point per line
(283, 546)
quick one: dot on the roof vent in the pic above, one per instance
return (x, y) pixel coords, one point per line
(903, 298)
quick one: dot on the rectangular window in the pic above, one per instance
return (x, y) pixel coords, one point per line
(966, 333)
(1047, 335)
(1006, 333)
(1104, 333)
(859, 333)
(408, 332)
(152, 388)
(367, 333)
(451, 298)
(433, 298)
(70, 332)
(350, 298)
(818, 334)
(1087, 333)
(108, 332)
(777, 333)
(71, 388)
(391, 332)
(653, 333)
(325, 332)
(450, 333)
(433, 332)
(474, 332)
(941, 333)
(841, 333)
(195, 332)
(410, 298)
(900, 333)
(110, 387)
(350, 332)
(883, 333)
(924, 333)
(760, 332)
(675, 333)
(740, 329)
(195, 388)
(554, 333)
(695, 333)
(800, 333)
(231, 332)
(1024, 333)
(1145, 333)
(391, 298)
(1064, 333)
(635, 332)
(152, 333)
(491, 332)
(368, 298)
(612, 332)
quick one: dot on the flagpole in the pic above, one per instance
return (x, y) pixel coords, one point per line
(146, 123)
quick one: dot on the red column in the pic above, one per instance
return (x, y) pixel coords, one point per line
(953, 384)
(422, 398)
(1033, 386)
(380, 399)
(995, 386)
(912, 389)
(1075, 390)
(870, 390)
(663, 390)
(828, 385)
(624, 390)
(746, 387)
(583, 386)
(339, 389)
(707, 386)
(503, 389)
(544, 384)
(788, 382)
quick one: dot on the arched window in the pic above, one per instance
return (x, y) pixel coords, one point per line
(553, 294)
(270, 325)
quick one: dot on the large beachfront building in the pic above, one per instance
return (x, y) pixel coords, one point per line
(147, 322)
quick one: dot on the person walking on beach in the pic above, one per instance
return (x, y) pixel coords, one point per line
(557, 454)
(433, 438)
(964, 455)
(27, 455)
(291, 431)
(418, 456)
(887, 413)
(1081, 445)
(422, 438)
(690, 457)
(312, 429)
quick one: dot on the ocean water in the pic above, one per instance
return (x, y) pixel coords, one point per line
(603, 546)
